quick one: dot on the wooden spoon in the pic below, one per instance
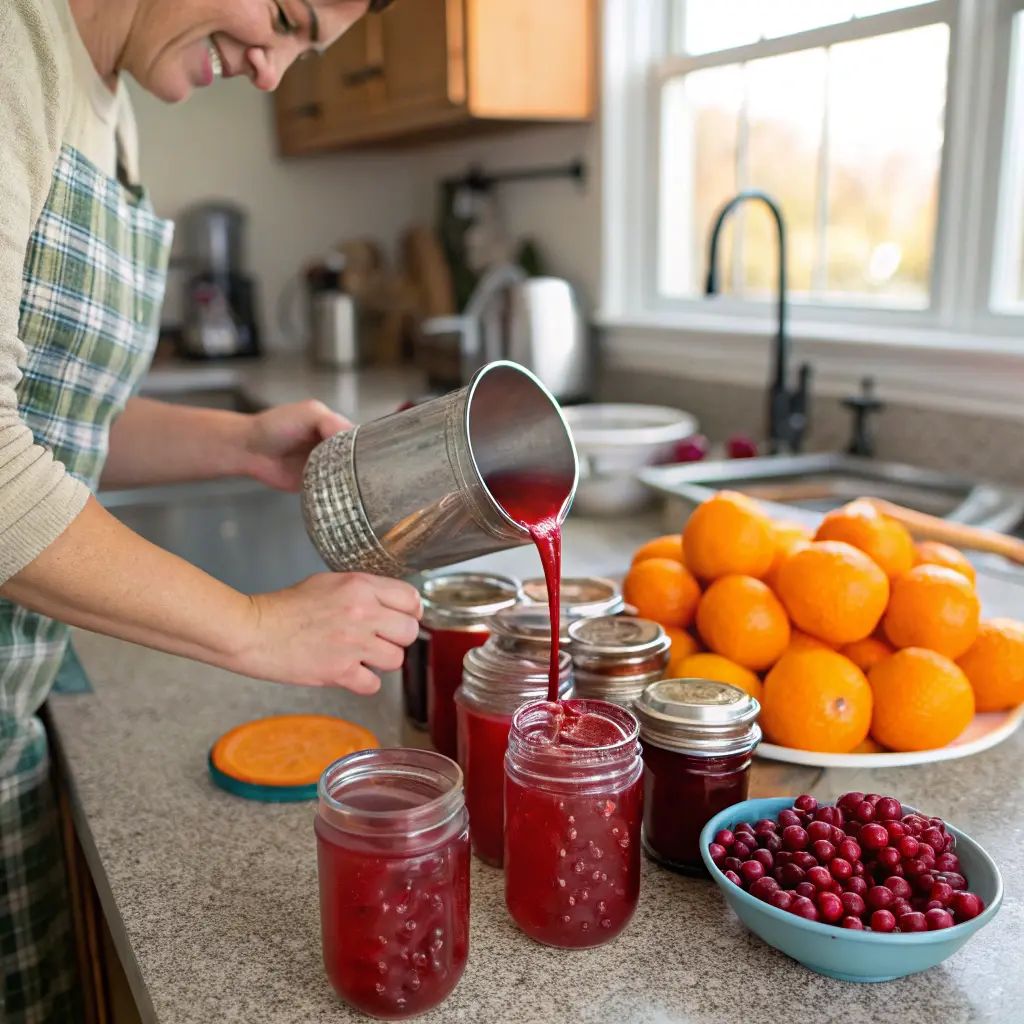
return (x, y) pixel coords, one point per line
(959, 535)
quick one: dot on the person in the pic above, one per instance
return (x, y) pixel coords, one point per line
(82, 268)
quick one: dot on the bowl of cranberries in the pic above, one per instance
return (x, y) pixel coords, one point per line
(863, 890)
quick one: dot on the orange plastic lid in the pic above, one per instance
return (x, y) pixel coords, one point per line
(287, 750)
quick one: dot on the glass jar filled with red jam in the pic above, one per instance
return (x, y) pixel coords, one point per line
(495, 683)
(457, 609)
(616, 657)
(699, 738)
(573, 810)
(583, 597)
(393, 860)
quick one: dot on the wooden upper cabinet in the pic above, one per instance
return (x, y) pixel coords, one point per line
(431, 68)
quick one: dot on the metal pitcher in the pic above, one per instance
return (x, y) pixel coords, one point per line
(408, 492)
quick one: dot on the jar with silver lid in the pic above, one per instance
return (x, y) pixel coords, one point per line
(615, 657)
(583, 597)
(495, 684)
(699, 738)
(525, 631)
(457, 611)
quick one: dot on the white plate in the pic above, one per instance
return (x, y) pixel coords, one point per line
(986, 730)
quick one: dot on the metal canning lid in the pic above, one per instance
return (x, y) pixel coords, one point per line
(496, 680)
(462, 599)
(582, 596)
(617, 637)
(529, 624)
(698, 716)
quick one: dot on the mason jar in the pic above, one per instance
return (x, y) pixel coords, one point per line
(583, 597)
(615, 657)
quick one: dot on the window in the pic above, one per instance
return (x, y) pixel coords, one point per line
(890, 132)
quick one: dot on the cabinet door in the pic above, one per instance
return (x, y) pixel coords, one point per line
(346, 74)
(300, 109)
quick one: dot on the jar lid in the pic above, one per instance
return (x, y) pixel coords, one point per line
(698, 716)
(529, 623)
(618, 637)
(466, 598)
(501, 681)
(582, 596)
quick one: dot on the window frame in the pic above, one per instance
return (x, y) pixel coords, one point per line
(972, 196)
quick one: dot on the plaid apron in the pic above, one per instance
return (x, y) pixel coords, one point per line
(93, 284)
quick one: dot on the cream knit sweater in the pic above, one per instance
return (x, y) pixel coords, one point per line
(50, 95)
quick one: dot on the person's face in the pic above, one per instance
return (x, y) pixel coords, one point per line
(176, 46)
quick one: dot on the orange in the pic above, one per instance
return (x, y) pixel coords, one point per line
(833, 591)
(669, 546)
(722, 670)
(726, 535)
(683, 645)
(866, 653)
(932, 607)
(816, 700)
(741, 619)
(869, 746)
(994, 665)
(788, 537)
(802, 642)
(662, 590)
(922, 700)
(931, 552)
(883, 540)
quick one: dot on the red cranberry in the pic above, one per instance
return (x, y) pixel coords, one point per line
(889, 856)
(858, 868)
(925, 850)
(751, 871)
(731, 864)
(741, 850)
(937, 919)
(899, 907)
(782, 857)
(724, 837)
(913, 922)
(878, 897)
(830, 906)
(915, 824)
(805, 803)
(950, 844)
(795, 838)
(966, 906)
(882, 921)
(765, 858)
(763, 888)
(734, 878)
(829, 815)
(888, 809)
(908, 846)
(943, 892)
(840, 869)
(770, 841)
(781, 899)
(777, 875)
(765, 825)
(856, 885)
(853, 903)
(806, 889)
(865, 812)
(805, 860)
(955, 879)
(914, 866)
(896, 830)
(717, 852)
(836, 886)
(873, 837)
(897, 870)
(838, 835)
(872, 798)
(853, 923)
(923, 883)
(790, 875)
(804, 908)
(849, 801)
(818, 830)
(938, 823)
(947, 862)
(852, 829)
(820, 877)
(788, 817)
(933, 905)
(899, 887)
(848, 850)
(823, 850)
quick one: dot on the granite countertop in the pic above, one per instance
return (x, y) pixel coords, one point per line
(212, 900)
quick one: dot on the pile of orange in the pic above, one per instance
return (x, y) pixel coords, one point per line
(852, 638)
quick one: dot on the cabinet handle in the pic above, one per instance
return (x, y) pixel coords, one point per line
(310, 110)
(358, 77)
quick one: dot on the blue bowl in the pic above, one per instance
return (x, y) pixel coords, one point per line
(843, 953)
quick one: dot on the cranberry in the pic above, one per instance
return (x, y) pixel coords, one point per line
(765, 825)
(950, 844)
(872, 798)
(731, 864)
(873, 837)
(823, 850)
(734, 878)
(854, 923)
(955, 879)
(806, 889)
(781, 899)
(938, 823)
(915, 824)
(848, 850)
(741, 849)
(717, 852)
(858, 868)
(896, 830)
(897, 870)
(899, 907)
(937, 919)
(878, 897)
(838, 835)
(751, 871)
(790, 875)
(882, 921)
(819, 831)
(794, 837)
(853, 903)
(913, 922)
(724, 837)
(788, 817)
(770, 841)
(763, 888)
(966, 906)
(830, 906)
(865, 812)
(925, 851)
(840, 869)
(849, 801)
(836, 886)
(899, 887)
(947, 862)
(829, 815)
(805, 860)
(782, 857)
(765, 858)
(943, 892)
(851, 829)
(820, 877)
(908, 846)
(777, 875)
(804, 908)
(933, 905)
(888, 809)
(856, 885)
(805, 803)
(889, 856)
(923, 883)
(914, 866)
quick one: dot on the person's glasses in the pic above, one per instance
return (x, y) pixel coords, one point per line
(376, 6)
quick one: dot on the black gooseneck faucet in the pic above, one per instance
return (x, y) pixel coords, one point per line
(787, 409)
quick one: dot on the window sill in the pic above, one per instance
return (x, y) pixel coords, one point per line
(980, 374)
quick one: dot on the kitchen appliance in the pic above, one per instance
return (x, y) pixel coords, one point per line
(220, 319)
(333, 327)
(536, 322)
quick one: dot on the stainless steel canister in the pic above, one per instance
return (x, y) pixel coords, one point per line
(409, 492)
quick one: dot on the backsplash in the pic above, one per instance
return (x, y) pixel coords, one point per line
(979, 446)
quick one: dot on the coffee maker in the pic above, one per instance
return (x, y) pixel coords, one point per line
(220, 319)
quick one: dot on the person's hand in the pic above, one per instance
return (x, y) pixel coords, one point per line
(279, 441)
(332, 629)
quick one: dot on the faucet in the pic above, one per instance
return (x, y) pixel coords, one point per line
(787, 409)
